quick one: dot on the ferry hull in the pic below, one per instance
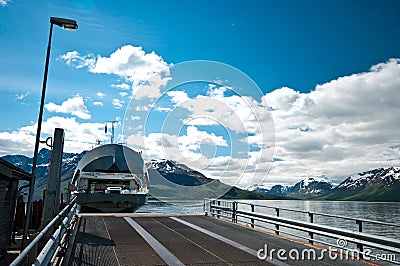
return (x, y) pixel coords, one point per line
(100, 202)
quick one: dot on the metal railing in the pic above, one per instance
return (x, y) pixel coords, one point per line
(62, 220)
(244, 213)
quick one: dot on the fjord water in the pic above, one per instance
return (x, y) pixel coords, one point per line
(388, 212)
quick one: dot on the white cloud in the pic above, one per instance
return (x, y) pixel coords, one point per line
(202, 149)
(4, 2)
(16, 142)
(74, 106)
(225, 168)
(98, 103)
(122, 86)
(238, 113)
(200, 121)
(151, 87)
(74, 59)
(342, 127)
(194, 137)
(118, 104)
(100, 94)
(163, 109)
(129, 62)
(123, 94)
(141, 108)
(78, 136)
(178, 97)
(22, 96)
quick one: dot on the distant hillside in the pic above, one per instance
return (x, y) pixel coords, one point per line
(382, 184)
(308, 188)
(183, 175)
(70, 161)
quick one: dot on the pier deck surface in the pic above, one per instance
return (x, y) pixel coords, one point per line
(145, 239)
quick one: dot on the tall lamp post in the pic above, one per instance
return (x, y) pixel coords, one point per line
(66, 24)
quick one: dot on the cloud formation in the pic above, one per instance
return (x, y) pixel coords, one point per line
(129, 62)
(100, 95)
(22, 96)
(78, 136)
(4, 2)
(74, 106)
(117, 103)
(342, 127)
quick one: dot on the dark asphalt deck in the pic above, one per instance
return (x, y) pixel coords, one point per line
(135, 239)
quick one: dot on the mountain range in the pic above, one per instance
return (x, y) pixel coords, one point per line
(382, 184)
(181, 174)
(69, 163)
(171, 170)
(305, 189)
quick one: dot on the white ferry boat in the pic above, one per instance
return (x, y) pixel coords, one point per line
(111, 178)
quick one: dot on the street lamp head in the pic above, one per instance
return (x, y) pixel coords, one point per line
(67, 24)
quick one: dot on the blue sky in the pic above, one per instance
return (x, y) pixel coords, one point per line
(325, 70)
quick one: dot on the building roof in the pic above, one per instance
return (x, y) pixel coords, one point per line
(11, 171)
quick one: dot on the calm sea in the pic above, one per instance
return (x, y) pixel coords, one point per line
(388, 212)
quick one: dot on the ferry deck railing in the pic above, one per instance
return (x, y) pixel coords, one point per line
(57, 239)
(245, 213)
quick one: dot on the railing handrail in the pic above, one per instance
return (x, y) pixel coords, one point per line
(25, 252)
(330, 229)
(316, 213)
(229, 209)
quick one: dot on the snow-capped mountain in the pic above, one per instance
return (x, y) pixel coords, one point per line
(308, 187)
(69, 163)
(386, 176)
(313, 186)
(382, 184)
(178, 173)
(259, 188)
(168, 166)
(183, 175)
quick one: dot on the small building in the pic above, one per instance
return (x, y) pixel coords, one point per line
(10, 175)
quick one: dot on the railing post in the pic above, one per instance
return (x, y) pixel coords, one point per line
(204, 207)
(360, 246)
(252, 220)
(234, 211)
(236, 208)
(311, 219)
(218, 209)
(212, 208)
(276, 225)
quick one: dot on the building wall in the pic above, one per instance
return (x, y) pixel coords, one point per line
(8, 190)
